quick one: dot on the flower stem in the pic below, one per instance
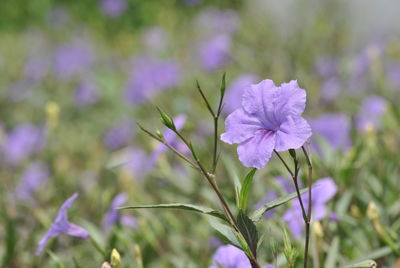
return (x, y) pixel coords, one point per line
(309, 209)
(215, 158)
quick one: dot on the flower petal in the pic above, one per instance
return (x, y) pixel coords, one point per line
(290, 100)
(76, 231)
(256, 151)
(323, 191)
(292, 134)
(240, 126)
(259, 97)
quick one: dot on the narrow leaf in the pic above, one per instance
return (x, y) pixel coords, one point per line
(245, 190)
(189, 207)
(331, 260)
(256, 216)
(225, 231)
(249, 231)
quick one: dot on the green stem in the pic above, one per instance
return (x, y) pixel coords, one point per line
(309, 210)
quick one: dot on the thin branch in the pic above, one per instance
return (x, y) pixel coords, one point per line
(284, 163)
(205, 99)
(163, 141)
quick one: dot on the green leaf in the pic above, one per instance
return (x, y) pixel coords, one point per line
(249, 231)
(245, 190)
(225, 231)
(331, 260)
(367, 263)
(256, 216)
(189, 207)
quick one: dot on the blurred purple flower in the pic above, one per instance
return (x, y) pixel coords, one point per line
(334, 129)
(113, 8)
(155, 38)
(113, 215)
(23, 141)
(330, 89)
(269, 119)
(215, 52)
(326, 67)
(73, 58)
(21, 90)
(233, 96)
(62, 225)
(370, 113)
(36, 68)
(85, 94)
(149, 77)
(215, 21)
(138, 164)
(323, 190)
(393, 75)
(34, 178)
(119, 134)
(229, 256)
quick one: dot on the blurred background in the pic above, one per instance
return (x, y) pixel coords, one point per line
(75, 76)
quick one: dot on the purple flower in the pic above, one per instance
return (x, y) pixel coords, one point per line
(36, 68)
(215, 52)
(73, 58)
(322, 191)
(269, 119)
(21, 90)
(138, 164)
(85, 94)
(393, 75)
(23, 141)
(326, 67)
(113, 215)
(330, 89)
(34, 178)
(62, 225)
(229, 256)
(370, 113)
(233, 96)
(149, 77)
(119, 134)
(334, 129)
(113, 8)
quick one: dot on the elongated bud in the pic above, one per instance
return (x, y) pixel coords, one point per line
(166, 120)
(115, 259)
(53, 113)
(138, 256)
(159, 134)
(317, 228)
(223, 84)
(292, 153)
(372, 211)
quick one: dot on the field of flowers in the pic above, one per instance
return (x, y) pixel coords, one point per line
(199, 133)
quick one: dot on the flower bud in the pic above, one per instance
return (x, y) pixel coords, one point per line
(115, 259)
(166, 120)
(372, 211)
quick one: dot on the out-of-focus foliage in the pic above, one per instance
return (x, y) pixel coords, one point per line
(74, 78)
